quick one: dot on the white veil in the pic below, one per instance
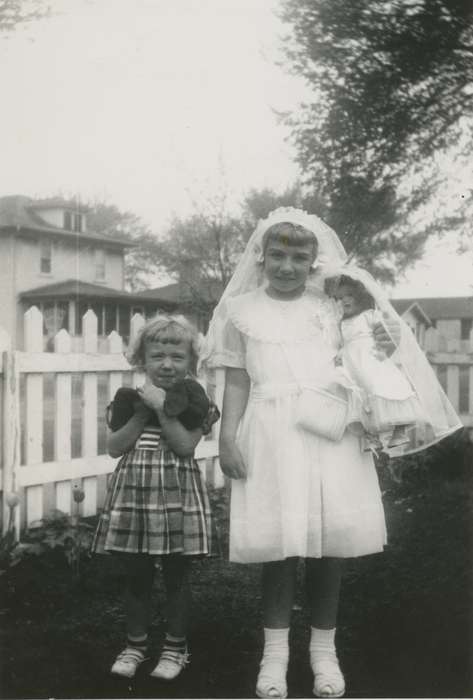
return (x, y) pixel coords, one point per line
(439, 417)
(248, 273)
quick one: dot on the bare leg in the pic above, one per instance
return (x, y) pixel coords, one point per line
(176, 570)
(174, 655)
(323, 580)
(140, 576)
(279, 582)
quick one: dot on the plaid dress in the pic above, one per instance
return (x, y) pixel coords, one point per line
(156, 503)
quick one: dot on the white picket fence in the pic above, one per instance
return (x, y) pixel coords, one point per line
(41, 434)
(53, 408)
(452, 360)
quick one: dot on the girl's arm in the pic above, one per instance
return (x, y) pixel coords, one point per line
(181, 441)
(235, 398)
(123, 439)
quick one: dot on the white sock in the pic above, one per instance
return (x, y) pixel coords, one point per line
(276, 644)
(322, 644)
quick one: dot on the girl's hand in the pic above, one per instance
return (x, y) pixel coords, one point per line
(152, 396)
(387, 335)
(141, 409)
(231, 461)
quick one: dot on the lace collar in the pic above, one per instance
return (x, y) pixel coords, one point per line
(263, 318)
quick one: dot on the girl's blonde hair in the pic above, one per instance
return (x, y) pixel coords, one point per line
(166, 328)
(290, 234)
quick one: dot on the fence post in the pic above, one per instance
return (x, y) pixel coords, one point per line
(10, 429)
(89, 397)
(136, 323)
(33, 326)
(63, 422)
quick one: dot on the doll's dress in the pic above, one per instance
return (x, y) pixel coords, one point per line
(387, 393)
(304, 495)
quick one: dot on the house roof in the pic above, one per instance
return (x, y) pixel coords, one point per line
(438, 308)
(179, 292)
(72, 288)
(59, 203)
(18, 214)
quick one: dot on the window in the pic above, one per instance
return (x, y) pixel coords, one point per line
(45, 254)
(464, 389)
(99, 256)
(466, 326)
(67, 220)
(73, 222)
(124, 321)
(78, 223)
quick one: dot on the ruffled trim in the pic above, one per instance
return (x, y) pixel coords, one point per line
(262, 318)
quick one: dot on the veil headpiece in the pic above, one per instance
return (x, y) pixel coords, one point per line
(439, 417)
(248, 273)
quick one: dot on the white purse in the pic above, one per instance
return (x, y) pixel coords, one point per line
(319, 411)
(322, 413)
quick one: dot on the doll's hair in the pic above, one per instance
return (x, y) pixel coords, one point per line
(164, 328)
(362, 296)
(290, 234)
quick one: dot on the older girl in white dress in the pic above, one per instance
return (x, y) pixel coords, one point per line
(294, 493)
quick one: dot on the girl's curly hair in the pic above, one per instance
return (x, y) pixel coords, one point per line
(363, 297)
(165, 328)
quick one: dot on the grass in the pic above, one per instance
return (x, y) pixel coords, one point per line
(405, 623)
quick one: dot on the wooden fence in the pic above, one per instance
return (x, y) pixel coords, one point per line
(53, 413)
(452, 360)
(53, 419)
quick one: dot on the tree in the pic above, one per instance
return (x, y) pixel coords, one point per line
(392, 85)
(202, 250)
(19, 12)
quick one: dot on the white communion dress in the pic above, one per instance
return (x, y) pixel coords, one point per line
(304, 495)
(388, 393)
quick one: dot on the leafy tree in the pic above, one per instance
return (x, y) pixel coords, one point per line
(392, 85)
(201, 251)
(19, 12)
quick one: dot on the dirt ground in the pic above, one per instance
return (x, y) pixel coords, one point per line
(405, 624)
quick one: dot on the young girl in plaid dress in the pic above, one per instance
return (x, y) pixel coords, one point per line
(156, 503)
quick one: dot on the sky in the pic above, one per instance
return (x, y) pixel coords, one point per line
(148, 104)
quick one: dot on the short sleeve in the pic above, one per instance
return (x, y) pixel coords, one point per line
(233, 351)
(121, 409)
(212, 417)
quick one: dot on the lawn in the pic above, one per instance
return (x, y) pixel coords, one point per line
(405, 624)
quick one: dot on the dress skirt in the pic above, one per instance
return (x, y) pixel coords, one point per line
(156, 503)
(304, 495)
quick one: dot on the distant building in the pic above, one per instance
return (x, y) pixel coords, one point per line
(49, 258)
(451, 316)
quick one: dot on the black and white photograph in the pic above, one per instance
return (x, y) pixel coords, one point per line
(236, 340)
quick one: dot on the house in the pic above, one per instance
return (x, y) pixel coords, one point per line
(451, 316)
(196, 303)
(414, 315)
(50, 258)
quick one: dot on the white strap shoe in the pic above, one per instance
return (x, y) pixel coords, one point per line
(127, 662)
(271, 681)
(170, 664)
(328, 678)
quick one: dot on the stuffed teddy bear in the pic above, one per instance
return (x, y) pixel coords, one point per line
(185, 400)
